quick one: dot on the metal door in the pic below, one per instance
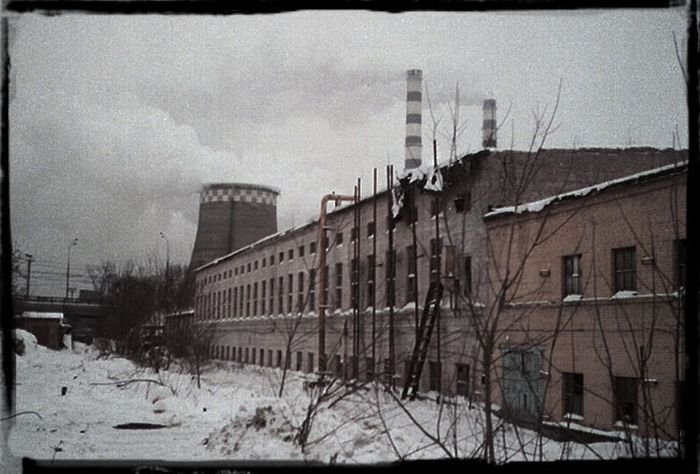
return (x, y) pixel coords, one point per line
(522, 383)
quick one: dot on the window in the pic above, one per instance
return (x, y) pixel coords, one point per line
(300, 293)
(264, 261)
(272, 260)
(353, 234)
(279, 359)
(235, 271)
(626, 405)
(262, 296)
(248, 268)
(411, 270)
(312, 248)
(468, 276)
(280, 295)
(301, 251)
(247, 300)
(229, 314)
(463, 202)
(434, 367)
(281, 257)
(390, 277)
(218, 304)
(681, 259)
(338, 238)
(572, 393)
(241, 298)
(310, 362)
(462, 379)
(269, 357)
(290, 254)
(272, 295)
(252, 354)
(370, 280)
(246, 355)
(290, 292)
(572, 275)
(299, 361)
(338, 285)
(371, 229)
(255, 298)
(262, 356)
(624, 268)
(369, 368)
(240, 354)
(390, 224)
(255, 265)
(312, 289)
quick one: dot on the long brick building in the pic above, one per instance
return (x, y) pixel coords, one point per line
(262, 301)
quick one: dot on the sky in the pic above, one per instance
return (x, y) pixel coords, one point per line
(116, 122)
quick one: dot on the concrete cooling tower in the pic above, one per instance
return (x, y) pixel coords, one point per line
(231, 216)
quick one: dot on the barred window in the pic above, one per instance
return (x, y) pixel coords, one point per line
(572, 393)
(572, 275)
(624, 267)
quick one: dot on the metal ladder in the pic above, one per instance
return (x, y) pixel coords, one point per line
(425, 331)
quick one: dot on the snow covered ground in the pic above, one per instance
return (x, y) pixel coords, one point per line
(76, 399)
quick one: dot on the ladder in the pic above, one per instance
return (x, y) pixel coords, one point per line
(425, 331)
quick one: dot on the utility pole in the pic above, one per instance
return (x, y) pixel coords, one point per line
(30, 258)
(73, 242)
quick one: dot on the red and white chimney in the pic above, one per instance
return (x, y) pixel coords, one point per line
(414, 145)
(489, 127)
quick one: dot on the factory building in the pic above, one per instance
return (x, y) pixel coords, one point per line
(592, 332)
(384, 253)
(262, 300)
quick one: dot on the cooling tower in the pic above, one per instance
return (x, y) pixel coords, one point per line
(414, 145)
(489, 127)
(231, 216)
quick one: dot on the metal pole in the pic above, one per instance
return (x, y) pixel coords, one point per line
(74, 242)
(373, 273)
(30, 259)
(438, 250)
(167, 255)
(391, 267)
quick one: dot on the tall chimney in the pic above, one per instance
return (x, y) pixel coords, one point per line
(489, 127)
(414, 145)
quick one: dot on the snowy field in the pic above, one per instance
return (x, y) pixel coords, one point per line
(236, 414)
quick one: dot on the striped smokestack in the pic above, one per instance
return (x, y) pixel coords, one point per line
(489, 127)
(414, 145)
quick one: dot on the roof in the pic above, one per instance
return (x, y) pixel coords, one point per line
(41, 315)
(537, 206)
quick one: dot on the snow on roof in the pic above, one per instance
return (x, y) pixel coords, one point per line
(537, 206)
(41, 315)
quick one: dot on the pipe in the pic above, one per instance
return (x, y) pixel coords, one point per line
(337, 198)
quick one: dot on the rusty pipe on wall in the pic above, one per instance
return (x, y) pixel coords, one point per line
(323, 304)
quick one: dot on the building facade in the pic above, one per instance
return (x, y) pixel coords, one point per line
(591, 319)
(261, 301)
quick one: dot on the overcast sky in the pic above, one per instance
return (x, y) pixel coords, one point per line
(117, 121)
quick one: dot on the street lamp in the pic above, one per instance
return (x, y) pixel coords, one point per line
(29, 258)
(167, 255)
(73, 242)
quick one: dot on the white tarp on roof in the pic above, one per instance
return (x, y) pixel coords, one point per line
(41, 314)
